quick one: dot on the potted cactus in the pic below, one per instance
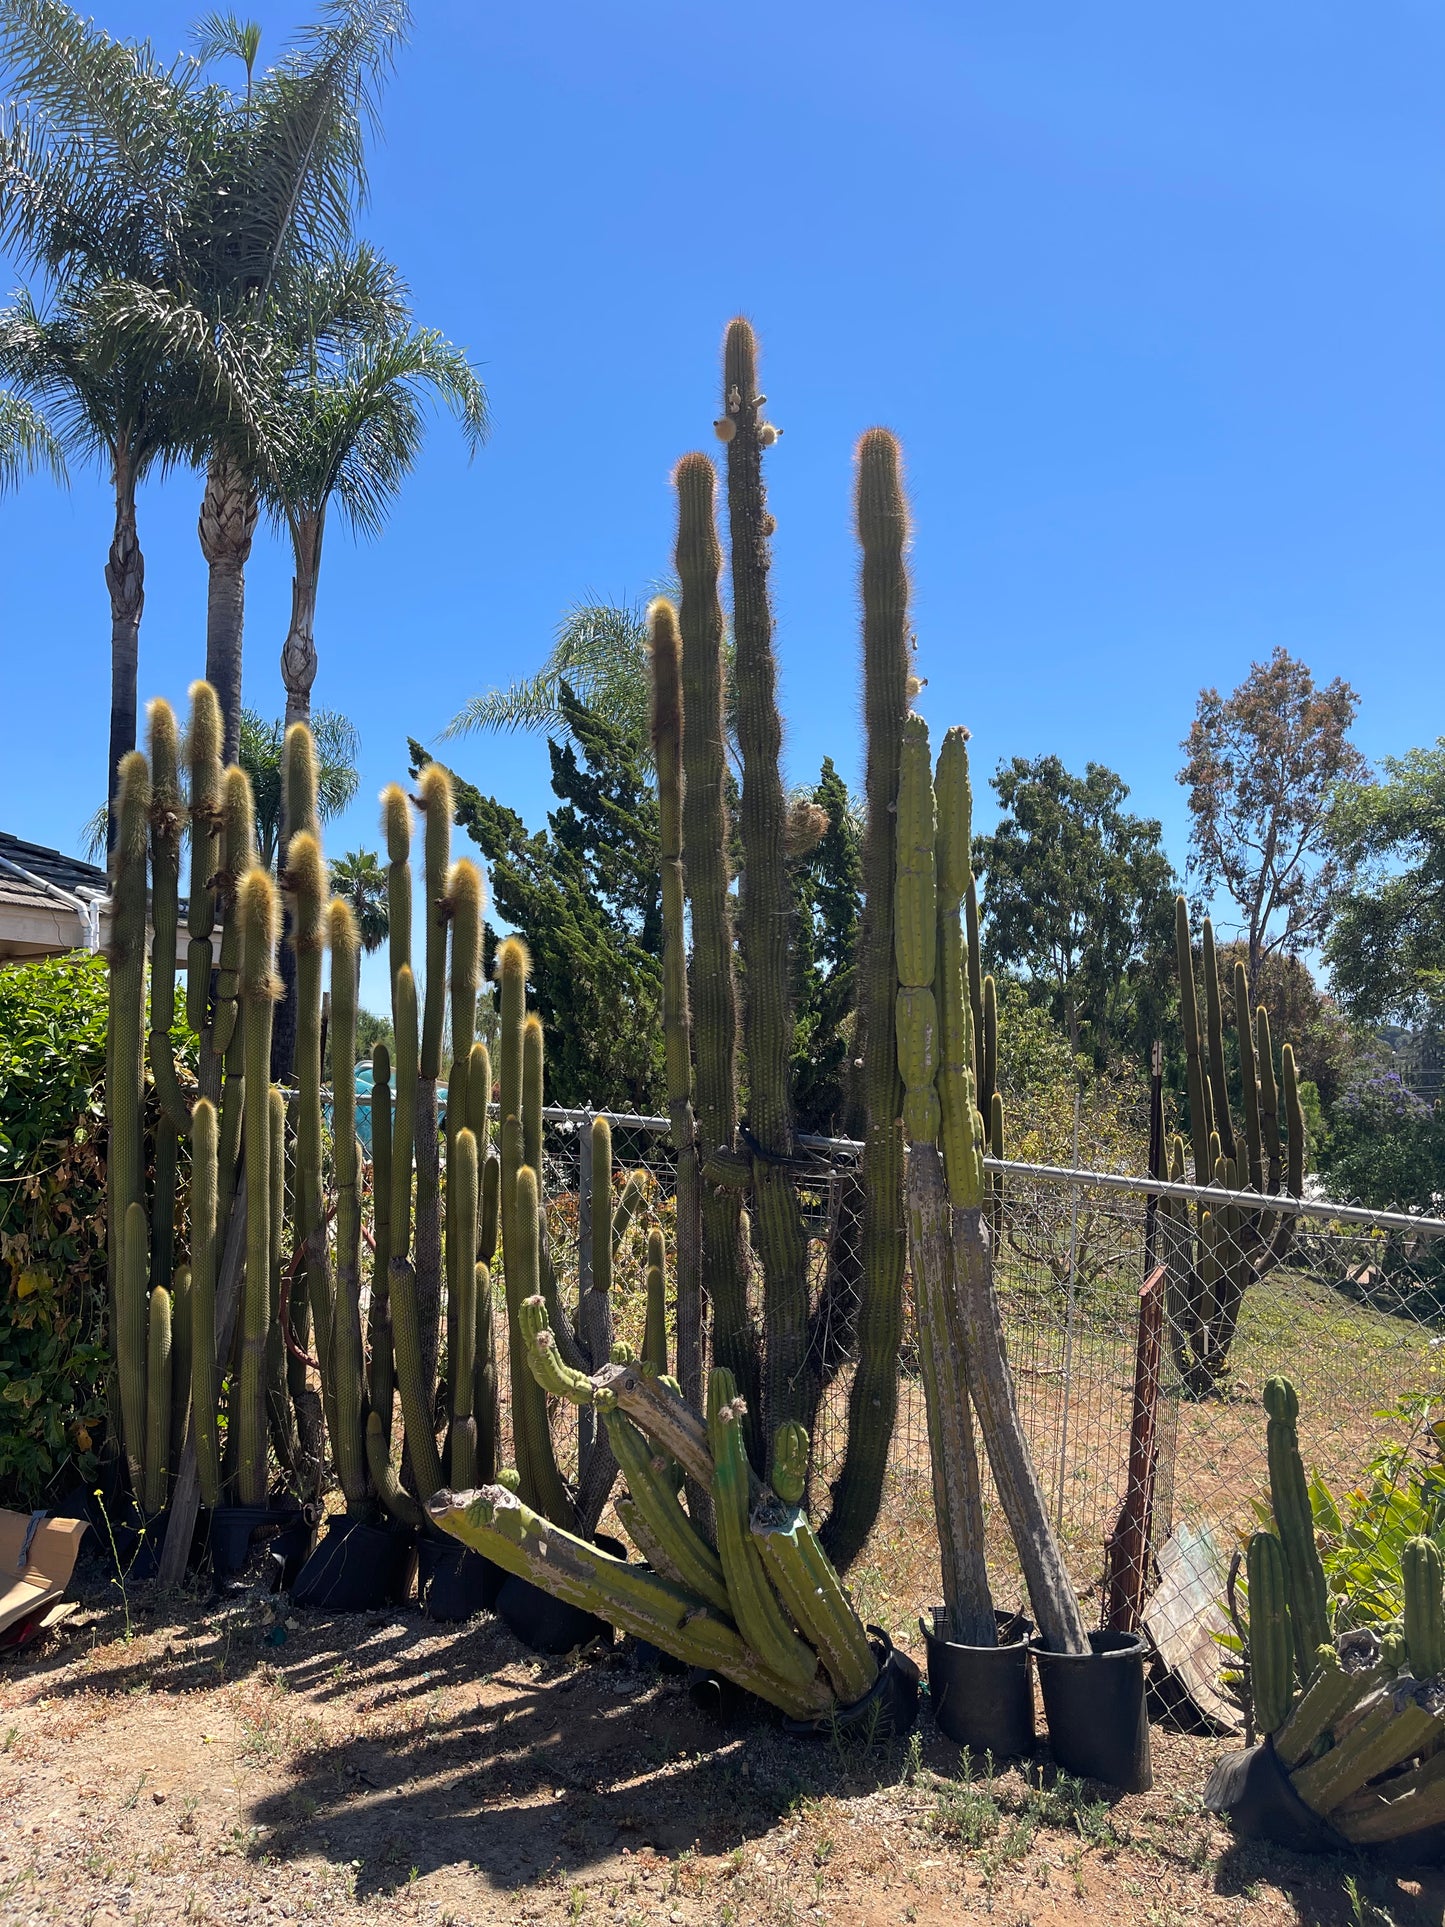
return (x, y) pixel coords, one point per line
(1352, 1749)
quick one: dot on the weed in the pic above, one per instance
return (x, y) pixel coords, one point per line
(1363, 1910)
(966, 1813)
(12, 1734)
(576, 1901)
(912, 1759)
(130, 1799)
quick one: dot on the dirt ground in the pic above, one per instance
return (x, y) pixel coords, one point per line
(216, 1763)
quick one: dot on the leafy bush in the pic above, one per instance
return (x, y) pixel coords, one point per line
(1385, 1147)
(53, 1359)
(1362, 1533)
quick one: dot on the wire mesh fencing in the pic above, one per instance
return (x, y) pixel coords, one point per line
(1150, 1484)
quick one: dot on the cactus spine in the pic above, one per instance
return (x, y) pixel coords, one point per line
(1270, 1656)
(256, 919)
(1294, 1521)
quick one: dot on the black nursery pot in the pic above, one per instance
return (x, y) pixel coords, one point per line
(888, 1708)
(982, 1696)
(549, 1625)
(356, 1568)
(1094, 1705)
(453, 1582)
(281, 1535)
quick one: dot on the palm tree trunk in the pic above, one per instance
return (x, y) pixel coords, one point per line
(125, 579)
(228, 522)
(298, 653)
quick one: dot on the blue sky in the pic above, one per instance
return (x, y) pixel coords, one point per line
(1154, 298)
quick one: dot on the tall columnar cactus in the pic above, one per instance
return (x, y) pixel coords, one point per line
(256, 917)
(204, 1387)
(936, 1052)
(1213, 1263)
(124, 1095)
(203, 751)
(342, 1361)
(665, 646)
(310, 1305)
(705, 839)
(381, 1385)
(1271, 1659)
(1420, 1567)
(167, 825)
(464, 908)
(1294, 1521)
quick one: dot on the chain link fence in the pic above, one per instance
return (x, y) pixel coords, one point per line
(1150, 1486)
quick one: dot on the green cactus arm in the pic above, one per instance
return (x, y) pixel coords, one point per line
(416, 1408)
(654, 1338)
(300, 781)
(974, 954)
(1418, 1803)
(238, 856)
(490, 1218)
(915, 889)
(755, 1606)
(381, 1375)
(181, 1373)
(394, 1496)
(662, 1416)
(343, 1365)
(167, 820)
(203, 751)
(403, 1129)
(256, 917)
(815, 1596)
(124, 1088)
(158, 1390)
(1421, 1570)
(602, 1239)
(1268, 1102)
(1216, 1089)
(536, 1461)
(479, 1096)
(133, 1347)
(486, 1395)
(668, 1525)
(494, 1522)
(434, 799)
(1294, 1521)
(462, 1269)
(464, 895)
(544, 1357)
(1271, 1667)
(788, 1474)
(706, 839)
(636, 1528)
(203, 1299)
(1195, 1074)
(396, 826)
(1249, 1082)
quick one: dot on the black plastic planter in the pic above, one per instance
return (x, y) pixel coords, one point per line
(549, 1625)
(454, 1583)
(888, 1709)
(982, 1696)
(277, 1538)
(356, 1568)
(1094, 1704)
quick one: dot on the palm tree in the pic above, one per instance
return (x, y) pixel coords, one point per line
(171, 213)
(337, 777)
(600, 653)
(360, 878)
(349, 428)
(26, 443)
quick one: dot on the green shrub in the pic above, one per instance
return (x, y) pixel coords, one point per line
(53, 1360)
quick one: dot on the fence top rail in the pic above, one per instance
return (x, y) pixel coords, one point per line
(1211, 1194)
(1214, 1194)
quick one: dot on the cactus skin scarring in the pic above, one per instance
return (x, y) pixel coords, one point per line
(1270, 1657)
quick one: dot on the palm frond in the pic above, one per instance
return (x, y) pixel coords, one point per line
(600, 652)
(26, 443)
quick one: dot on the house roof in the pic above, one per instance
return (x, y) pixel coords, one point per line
(39, 912)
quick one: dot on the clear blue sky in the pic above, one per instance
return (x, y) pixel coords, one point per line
(1154, 297)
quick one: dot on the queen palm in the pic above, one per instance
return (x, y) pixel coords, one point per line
(26, 443)
(169, 214)
(350, 425)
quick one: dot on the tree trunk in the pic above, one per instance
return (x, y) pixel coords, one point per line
(227, 524)
(125, 579)
(298, 653)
